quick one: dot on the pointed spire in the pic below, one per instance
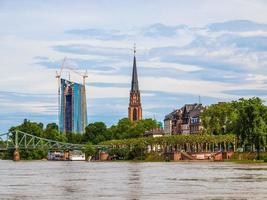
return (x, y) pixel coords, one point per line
(135, 87)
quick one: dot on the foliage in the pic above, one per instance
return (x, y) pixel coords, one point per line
(172, 140)
(95, 132)
(98, 132)
(219, 118)
(154, 156)
(121, 153)
(247, 118)
(37, 129)
(27, 126)
(51, 132)
(251, 127)
(89, 150)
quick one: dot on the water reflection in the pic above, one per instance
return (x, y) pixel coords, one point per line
(134, 182)
(126, 180)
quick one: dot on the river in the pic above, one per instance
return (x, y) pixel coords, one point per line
(55, 180)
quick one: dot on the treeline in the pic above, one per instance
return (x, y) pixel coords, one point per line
(245, 118)
(136, 148)
(95, 132)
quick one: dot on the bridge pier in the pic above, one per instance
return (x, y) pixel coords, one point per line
(16, 155)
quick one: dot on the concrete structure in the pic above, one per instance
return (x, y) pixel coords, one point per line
(135, 107)
(185, 120)
(73, 111)
(156, 132)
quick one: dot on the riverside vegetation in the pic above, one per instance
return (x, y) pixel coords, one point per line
(240, 124)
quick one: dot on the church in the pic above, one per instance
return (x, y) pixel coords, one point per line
(135, 106)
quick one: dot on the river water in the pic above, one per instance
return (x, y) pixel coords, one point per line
(129, 180)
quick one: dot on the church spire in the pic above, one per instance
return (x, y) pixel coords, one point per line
(135, 87)
(135, 107)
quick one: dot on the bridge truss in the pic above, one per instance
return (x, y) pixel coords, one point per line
(21, 140)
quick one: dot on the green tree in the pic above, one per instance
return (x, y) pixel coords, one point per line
(89, 150)
(218, 118)
(251, 121)
(95, 132)
(27, 126)
(127, 129)
(51, 132)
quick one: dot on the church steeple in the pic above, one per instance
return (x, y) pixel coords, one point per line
(135, 109)
(135, 86)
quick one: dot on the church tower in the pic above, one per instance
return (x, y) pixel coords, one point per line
(135, 108)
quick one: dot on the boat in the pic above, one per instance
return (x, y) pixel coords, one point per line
(55, 155)
(76, 156)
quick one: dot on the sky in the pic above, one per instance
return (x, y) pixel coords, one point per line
(187, 51)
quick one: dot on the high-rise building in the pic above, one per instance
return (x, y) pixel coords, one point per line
(135, 107)
(73, 111)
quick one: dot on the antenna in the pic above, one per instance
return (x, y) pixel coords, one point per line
(134, 49)
(199, 99)
(84, 76)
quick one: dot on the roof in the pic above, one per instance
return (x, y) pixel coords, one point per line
(188, 110)
(170, 115)
(135, 87)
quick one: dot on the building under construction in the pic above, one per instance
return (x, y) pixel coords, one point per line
(73, 110)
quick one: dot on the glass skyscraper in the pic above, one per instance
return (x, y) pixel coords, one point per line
(73, 110)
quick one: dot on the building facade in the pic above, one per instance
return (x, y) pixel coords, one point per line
(73, 110)
(185, 120)
(135, 107)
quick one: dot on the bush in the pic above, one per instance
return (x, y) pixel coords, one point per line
(89, 150)
(154, 156)
(119, 153)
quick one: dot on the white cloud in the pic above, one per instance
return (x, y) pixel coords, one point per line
(34, 29)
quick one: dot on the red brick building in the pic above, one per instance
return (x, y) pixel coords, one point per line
(185, 120)
(135, 107)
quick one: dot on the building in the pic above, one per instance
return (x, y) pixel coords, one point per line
(168, 123)
(185, 120)
(73, 110)
(156, 132)
(135, 107)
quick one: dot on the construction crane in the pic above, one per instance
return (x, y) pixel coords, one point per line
(84, 76)
(58, 76)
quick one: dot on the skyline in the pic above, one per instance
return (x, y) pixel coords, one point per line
(209, 49)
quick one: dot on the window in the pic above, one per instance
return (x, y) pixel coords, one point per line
(135, 114)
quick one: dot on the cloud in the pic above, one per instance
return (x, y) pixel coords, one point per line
(176, 63)
(117, 85)
(100, 34)
(247, 92)
(80, 49)
(237, 26)
(256, 43)
(161, 30)
(78, 64)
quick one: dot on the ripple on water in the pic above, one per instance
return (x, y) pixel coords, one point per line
(126, 180)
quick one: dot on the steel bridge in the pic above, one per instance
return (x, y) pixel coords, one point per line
(18, 140)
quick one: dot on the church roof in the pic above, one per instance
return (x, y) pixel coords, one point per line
(135, 87)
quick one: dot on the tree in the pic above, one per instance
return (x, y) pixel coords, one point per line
(89, 150)
(27, 126)
(251, 121)
(127, 129)
(95, 132)
(51, 132)
(218, 118)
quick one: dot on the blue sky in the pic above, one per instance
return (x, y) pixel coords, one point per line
(185, 49)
